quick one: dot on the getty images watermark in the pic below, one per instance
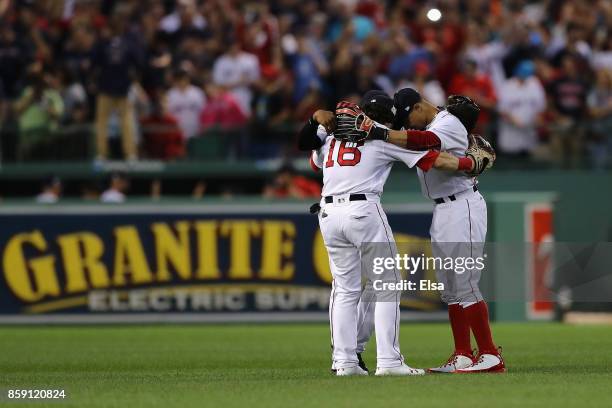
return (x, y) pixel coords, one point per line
(407, 264)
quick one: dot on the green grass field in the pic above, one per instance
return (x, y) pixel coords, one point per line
(288, 365)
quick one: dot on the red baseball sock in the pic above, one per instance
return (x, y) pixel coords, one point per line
(461, 329)
(478, 318)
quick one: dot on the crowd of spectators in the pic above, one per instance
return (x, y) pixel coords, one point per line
(153, 77)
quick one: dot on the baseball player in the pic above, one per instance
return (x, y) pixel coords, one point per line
(350, 215)
(459, 223)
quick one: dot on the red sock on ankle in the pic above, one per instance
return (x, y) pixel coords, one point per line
(478, 318)
(461, 329)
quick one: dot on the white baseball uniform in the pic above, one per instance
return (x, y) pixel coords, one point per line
(459, 224)
(348, 169)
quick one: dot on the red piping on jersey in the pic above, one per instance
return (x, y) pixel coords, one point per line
(313, 165)
(422, 140)
(426, 162)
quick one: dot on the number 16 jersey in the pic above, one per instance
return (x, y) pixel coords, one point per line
(358, 168)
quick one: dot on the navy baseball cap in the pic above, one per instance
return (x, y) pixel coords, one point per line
(376, 96)
(378, 105)
(403, 101)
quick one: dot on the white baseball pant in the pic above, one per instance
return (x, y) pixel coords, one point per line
(346, 226)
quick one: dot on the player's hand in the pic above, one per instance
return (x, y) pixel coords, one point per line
(482, 154)
(353, 125)
(347, 114)
(326, 119)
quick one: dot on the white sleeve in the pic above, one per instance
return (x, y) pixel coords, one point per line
(317, 158)
(218, 68)
(451, 132)
(322, 133)
(395, 153)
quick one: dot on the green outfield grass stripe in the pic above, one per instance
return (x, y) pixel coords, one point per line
(549, 365)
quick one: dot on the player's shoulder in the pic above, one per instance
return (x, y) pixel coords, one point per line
(449, 123)
(446, 118)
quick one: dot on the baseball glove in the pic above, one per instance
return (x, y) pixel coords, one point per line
(481, 152)
(465, 109)
(352, 124)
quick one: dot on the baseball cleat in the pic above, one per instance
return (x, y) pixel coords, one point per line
(486, 363)
(455, 362)
(350, 371)
(399, 370)
(361, 364)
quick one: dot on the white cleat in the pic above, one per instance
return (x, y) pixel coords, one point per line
(350, 371)
(399, 370)
(454, 363)
(486, 363)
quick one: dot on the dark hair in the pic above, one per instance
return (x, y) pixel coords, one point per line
(379, 113)
(378, 106)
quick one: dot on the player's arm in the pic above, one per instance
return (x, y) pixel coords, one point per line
(309, 137)
(416, 140)
(411, 139)
(446, 162)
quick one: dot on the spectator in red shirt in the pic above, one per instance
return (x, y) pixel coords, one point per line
(288, 184)
(221, 109)
(162, 137)
(478, 86)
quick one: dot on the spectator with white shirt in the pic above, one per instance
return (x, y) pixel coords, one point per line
(237, 71)
(185, 101)
(118, 186)
(51, 191)
(184, 17)
(521, 101)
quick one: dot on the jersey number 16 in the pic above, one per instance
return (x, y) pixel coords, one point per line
(348, 153)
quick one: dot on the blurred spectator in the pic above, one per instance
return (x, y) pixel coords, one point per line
(39, 109)
(118, 186)
(602, 54)
(51, 191)
(199, 189)
(405, 56)
(344, 11)
(600, 110)
(521, 101)
(477, 86)
(222, 109)
(270, 62)
(78, 55)
(488, 53)
(237, 71)
(15, 55)
(184, 17)
(257, 32)
(185, 102)
(272, 105)
(427, 86)
(568, 94)
(162, 136)
(288, 184)
(114, 58)
(75, 100)
(307, 69)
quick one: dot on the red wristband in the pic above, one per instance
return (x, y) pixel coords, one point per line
(465, 164)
